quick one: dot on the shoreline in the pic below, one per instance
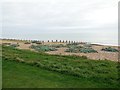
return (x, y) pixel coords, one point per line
(100, 55)
(92, 43)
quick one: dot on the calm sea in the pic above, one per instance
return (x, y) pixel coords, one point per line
(106, 38)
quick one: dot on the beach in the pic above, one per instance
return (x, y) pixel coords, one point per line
(101, 55)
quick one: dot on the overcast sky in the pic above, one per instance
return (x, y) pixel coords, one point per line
(60, 16)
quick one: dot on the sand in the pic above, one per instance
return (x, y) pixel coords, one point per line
(101, 55)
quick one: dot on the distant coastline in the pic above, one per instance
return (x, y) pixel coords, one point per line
(104, 44)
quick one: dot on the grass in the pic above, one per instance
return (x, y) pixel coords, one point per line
(18, 75)
(57, 71)
(0, 73)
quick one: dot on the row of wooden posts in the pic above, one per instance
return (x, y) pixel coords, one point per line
(59, 41)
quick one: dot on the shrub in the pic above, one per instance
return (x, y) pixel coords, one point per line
(34, 41)
(6, 43)
(109, 49)
(87, 50)
(77, 49)
(72, 44)
(27, 43)
(74, 50)
(43, 48)
(38, 43)
(57, 45)
(52, 49)
(14, 45)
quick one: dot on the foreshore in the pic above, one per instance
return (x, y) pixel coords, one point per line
(101, 55)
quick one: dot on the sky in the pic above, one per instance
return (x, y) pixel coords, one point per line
(34, 17)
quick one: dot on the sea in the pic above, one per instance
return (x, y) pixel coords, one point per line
(95, 38)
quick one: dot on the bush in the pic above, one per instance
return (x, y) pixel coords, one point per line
(87, 50)
(73, 44)
(38, 43)
(27, 43)
(34, 41)
(14, 45)
(77, 49)
(73, 50)
(57, 45)
(43, 48)
(52, 49)
(109, 49)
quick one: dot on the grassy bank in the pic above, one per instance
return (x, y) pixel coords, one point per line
(21, 75)
(24, 68)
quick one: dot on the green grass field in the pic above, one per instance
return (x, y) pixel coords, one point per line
(24, 68)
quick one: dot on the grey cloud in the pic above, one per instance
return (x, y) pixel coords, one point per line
(58, 16)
